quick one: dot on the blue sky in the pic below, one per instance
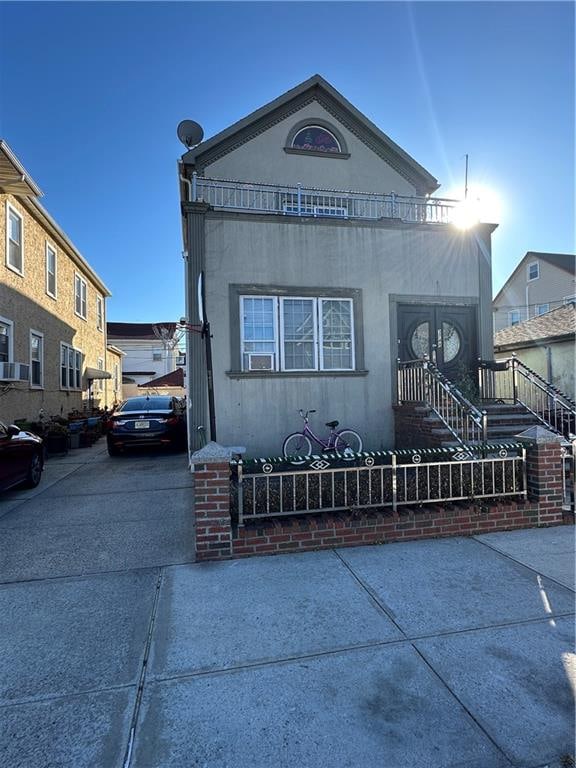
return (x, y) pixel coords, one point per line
(91, 94)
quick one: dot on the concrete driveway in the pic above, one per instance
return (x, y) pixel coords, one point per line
(116, 650)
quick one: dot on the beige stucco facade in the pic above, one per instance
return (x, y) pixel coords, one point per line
(27, 307)
(555, 361)
(523, 297)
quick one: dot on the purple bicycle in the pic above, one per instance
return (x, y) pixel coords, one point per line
(345, 442)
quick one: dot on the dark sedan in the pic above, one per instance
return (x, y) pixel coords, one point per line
(158, 420)
(21, 458)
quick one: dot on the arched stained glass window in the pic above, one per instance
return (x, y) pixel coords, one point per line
(316, 139)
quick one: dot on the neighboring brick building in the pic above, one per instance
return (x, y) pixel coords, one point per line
(53, 343)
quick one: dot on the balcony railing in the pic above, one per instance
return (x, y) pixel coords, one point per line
(320, 203)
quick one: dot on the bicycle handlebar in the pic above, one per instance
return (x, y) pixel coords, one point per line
(305, 416)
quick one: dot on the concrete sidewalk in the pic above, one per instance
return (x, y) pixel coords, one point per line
(440, 653)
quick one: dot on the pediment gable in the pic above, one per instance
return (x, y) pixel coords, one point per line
(312, 92)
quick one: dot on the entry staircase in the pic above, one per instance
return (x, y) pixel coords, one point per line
(507, 398)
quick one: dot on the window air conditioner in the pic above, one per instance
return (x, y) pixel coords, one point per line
(258, 361)
(14, 372)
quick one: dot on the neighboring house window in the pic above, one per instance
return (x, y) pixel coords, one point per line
(116, 377)
(80, 296)
(534, 271)
(514, 317)
(293, 333)
(99, 383)
(50, 271)
(6, 340)
(156, 356)
(99, 313)
(541, 309)
(70, 367)
(569, 299)
(36, 359)
(317, 139)
(15, 240)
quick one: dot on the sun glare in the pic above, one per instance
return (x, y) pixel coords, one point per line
(482, 205)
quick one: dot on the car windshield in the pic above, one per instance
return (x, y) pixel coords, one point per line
(146, 404)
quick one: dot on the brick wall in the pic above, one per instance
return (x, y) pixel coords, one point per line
(216, 539)
(416, 427)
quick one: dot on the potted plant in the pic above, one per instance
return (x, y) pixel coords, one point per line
(56, 437)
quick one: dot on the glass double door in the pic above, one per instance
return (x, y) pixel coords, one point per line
(446, 334)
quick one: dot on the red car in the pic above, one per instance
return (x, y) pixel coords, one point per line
(21, 458)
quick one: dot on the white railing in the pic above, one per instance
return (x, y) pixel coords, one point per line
(308, 201)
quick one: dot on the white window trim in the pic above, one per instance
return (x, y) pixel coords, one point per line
(41, 337)
(321, 333)
(510, 317)
(11, 208)
(533, 264)
(275, 319)
(100, 382)
(52, 247)
(314, 328)
(9, 323)
(569, 299)
(76, 352)
(537, 313)
(83, 282)
(279, 336)
(99, 313)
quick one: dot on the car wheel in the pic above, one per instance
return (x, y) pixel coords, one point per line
(34, 471)
(113, 450)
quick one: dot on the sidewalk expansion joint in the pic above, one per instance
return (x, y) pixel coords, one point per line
(519, 562)
(142, 680)
(71, 695)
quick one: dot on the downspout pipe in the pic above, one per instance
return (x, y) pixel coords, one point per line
(188, 305)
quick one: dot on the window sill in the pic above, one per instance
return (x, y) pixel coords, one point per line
(80, 316)
(333, 155)
(292, 374)
(12, 268)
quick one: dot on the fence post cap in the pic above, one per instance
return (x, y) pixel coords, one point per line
(214, 453)
(538, 435)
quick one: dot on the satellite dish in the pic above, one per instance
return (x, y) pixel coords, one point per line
(190, 133)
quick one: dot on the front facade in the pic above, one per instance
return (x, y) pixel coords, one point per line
(546, 344)
(149, 350)
(54, 357)
(313, 291)
(540, 283)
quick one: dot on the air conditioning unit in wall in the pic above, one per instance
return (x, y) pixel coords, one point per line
(14, 372)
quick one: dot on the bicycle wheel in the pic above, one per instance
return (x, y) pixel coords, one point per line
(347, 444)
(297, 444)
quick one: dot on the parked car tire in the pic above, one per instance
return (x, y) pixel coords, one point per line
(113, 450)
(34, 471)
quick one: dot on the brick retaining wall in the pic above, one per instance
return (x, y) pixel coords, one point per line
(216, 540)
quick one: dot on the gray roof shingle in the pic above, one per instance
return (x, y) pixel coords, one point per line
(557, 323)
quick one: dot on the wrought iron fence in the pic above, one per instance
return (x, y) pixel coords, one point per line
(510, 381)
(421, 382)
(307, 201)
(275, 488)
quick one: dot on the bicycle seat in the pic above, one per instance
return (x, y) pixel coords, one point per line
(332, 424)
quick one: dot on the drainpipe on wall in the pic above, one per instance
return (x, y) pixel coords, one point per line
(549, 372)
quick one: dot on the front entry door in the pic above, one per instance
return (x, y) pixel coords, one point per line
(447, 334)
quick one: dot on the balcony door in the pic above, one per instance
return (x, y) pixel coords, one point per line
(447, 334)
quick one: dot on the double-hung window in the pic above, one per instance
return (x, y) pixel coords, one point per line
(297, 333)
(541, 309)
(533, 271)
(70, 367)
(80, 296)
(14, 240)
(36, 359)
(50, 271)
(99, 313)
(6, 340)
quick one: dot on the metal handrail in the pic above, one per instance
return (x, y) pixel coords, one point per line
(421, 381)
(512, 380)
(298, 200)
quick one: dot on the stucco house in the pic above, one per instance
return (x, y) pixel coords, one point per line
(539, 283)
(546, 344)
(54, 352)
(326, 258)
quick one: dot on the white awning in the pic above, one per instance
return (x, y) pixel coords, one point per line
(96, 373)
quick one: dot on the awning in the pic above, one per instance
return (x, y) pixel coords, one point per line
(96, 373)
